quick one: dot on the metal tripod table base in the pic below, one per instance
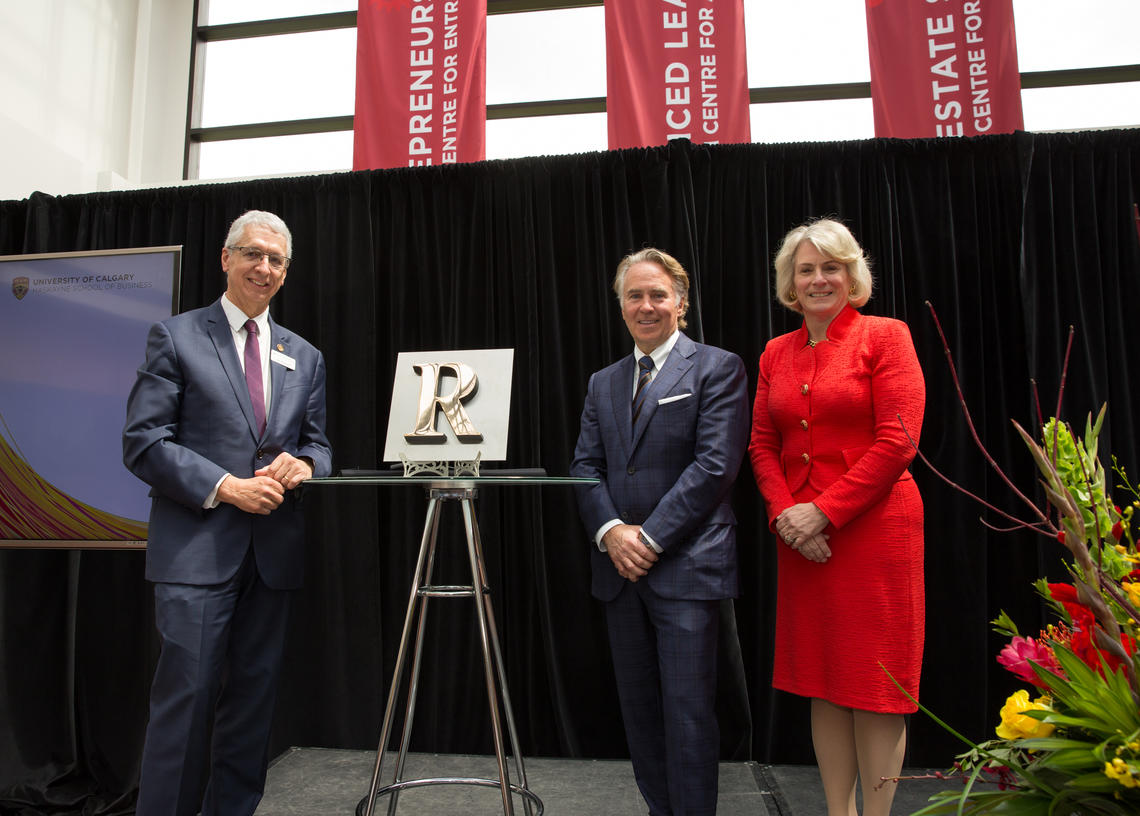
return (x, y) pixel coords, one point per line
(530, 796)
(494, 674)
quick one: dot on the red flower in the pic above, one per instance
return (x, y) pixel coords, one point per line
(1128, 643)
(1111, 660)
(1020, 652)
(1082, 620)
(1066, 595)
(1081, 639)
(1002, 775)
(1063, 592)
(1118, 530)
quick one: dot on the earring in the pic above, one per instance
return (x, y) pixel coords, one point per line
(852, 291)
(792, 297)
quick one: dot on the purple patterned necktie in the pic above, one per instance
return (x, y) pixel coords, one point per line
(253, 375)
(645, 368)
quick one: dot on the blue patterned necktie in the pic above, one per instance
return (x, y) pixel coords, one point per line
(645, 367)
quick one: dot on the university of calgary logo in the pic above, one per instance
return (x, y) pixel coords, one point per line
(19, 287)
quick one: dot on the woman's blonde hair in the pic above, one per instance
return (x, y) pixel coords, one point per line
(834, 240)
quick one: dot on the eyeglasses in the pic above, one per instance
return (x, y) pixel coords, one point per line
(254, 256)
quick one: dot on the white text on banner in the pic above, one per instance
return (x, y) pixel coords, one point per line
(420, 83)
(943, 68)
(676, 69)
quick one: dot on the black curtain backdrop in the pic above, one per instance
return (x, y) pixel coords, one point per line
(1012, 238)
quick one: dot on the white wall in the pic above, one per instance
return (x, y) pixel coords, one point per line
(93, 94)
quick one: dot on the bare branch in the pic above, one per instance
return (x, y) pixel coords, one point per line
(1064, 376)
(970, 424)
(1037, 526)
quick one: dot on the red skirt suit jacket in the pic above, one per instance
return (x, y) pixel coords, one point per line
(827, 427)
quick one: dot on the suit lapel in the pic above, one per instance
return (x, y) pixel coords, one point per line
(278, 341)
(621, 401)
(223, 338)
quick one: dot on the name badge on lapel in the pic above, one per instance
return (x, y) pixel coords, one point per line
(276, 356)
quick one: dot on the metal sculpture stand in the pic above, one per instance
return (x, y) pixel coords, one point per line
(494, 673)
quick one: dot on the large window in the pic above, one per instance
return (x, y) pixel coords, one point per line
(546, 77)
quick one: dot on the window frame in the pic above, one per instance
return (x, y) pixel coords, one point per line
(196, 135)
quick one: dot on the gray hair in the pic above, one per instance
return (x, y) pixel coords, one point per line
(672, 268)
(259, 218)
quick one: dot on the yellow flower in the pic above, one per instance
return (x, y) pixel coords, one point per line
(1123, 772)
(1123, 551)
(1132, 589)
(1015, 724)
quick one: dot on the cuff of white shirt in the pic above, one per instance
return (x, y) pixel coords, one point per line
(605, 528)
(648, 540)
(212, 500)
(609, 525)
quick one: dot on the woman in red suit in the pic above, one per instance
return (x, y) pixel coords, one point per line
(830, 456)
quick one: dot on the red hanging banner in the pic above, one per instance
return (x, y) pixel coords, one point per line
(420, 83)
(943, 67)
(676, 69)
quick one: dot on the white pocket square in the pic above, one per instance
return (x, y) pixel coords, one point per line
(667, 400)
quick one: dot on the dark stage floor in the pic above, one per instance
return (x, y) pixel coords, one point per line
(323, 781)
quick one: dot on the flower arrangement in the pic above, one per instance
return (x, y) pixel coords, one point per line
(1072, 744)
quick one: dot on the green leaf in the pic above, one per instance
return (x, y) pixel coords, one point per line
(1010, 803)
(1058, 498)
(1039, 455)
(1094, 724)
(1093, 431)
(1085, 803)
(1096, 781)
(948, 802)
(1071, 762)
(1054, 744)
(1085, 699)
(1003, 624)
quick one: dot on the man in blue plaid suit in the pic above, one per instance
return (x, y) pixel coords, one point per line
(664, 430)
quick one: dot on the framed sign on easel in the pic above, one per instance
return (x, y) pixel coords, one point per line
(450, 411)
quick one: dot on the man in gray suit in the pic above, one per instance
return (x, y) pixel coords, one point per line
(664, 430)
(225, 420)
